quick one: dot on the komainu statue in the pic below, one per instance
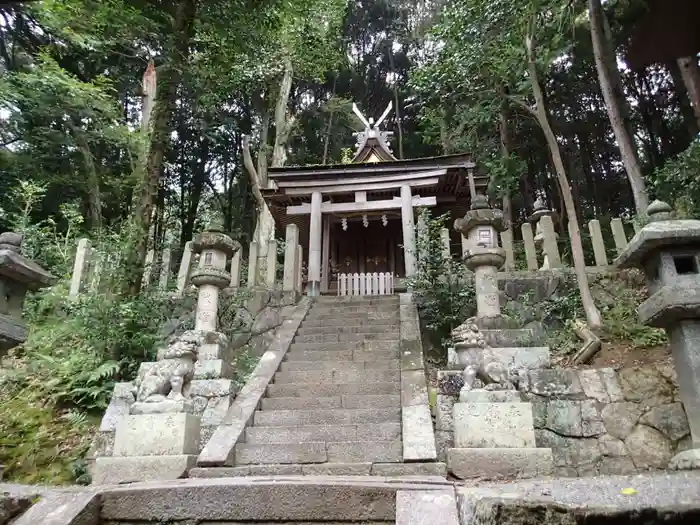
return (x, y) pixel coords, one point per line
(472, 351)
(167, 378)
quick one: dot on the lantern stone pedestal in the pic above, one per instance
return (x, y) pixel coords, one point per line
(494, 433)
(669, 253)
(481, 226)
(18, 275)
(154, 428)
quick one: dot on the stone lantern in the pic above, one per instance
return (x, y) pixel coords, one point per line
(481, 226)
(213, 247)
(540, 210)
(17, 276)
(669, 253)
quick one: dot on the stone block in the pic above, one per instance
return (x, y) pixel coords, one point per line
(409, 469)
(620, 418)
(444, 406)
(553, 383)
(337, 469)
(489, 396)
(212, 369)
(418, 436)
(360, 451)
(215, 411)
(424, 507)
(157, 435)
(117, 409)
(444, 440)
(593, 385)
(62, 508)
(117, 470)
(499, 463)
(247, 454)
(669, 419)
(212, 387)
(493, 425)
(649, 448)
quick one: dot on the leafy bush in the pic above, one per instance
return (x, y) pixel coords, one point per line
(443, 292)
(682, 172)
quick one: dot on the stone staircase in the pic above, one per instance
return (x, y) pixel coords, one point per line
(335, 399)
(334, 405)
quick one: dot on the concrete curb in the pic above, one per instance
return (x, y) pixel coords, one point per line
(416, 420)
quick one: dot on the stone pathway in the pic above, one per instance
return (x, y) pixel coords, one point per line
(334, 406)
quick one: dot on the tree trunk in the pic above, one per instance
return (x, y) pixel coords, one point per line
(166, 94)
(691, 121)
(93, 180)
(593, 317)
(397, 108)
(329, 127)
(611, 86)
(505, 152)
(691, 78)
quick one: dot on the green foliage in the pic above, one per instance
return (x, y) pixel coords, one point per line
(682, 172)
(618, 297)
(441, 288)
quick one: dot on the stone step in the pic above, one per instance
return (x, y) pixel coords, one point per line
(367, 310)
(390, 328)
(348, 401)
(349, 355)
(362, 299)
(353, 322)
(337, 376)
(347, 338)
(342, 416)
(368, 346)
(308, 433)
(319, 452)
(429, 471)
(352, 317)
(354, 366)
(330, 390)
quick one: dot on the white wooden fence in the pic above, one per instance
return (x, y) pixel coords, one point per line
(365, 284)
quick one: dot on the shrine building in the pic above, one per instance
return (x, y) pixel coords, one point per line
(360, 218)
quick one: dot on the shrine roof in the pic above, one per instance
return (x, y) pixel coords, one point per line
(372, 169)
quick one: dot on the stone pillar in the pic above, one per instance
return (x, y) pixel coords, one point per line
(529, 245)
(601, 258)
(184, 273)
(421, 231)
(300, 268)
(253, 265)
(619, 236)
(445, 236)
(289, 281)
(545, 236)
(408, 227)
(669, 253)
(314, 268)
(507, 243)
(481, 226)
(271, 273)
(211, 276)
(164, 276)
(326, 255)
(80, 267)
(236, 270)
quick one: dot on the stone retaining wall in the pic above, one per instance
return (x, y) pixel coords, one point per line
(597, 421)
